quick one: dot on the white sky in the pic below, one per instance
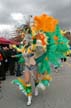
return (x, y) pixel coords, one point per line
(13, 11)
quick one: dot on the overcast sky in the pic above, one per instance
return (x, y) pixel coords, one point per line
(60, 9)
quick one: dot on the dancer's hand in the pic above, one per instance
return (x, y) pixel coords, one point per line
(14, 46)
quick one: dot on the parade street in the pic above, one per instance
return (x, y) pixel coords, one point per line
(57, 95)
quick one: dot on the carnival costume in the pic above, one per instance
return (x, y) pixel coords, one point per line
(46, 46)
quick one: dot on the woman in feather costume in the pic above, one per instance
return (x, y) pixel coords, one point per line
(43, 46)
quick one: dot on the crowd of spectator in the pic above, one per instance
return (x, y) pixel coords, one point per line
(8, 62)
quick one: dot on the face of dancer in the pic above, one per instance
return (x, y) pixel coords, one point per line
(25, 42)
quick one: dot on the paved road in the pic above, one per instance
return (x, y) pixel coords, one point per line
(58, 95)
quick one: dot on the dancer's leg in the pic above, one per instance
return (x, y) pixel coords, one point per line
(27, 78)
(36, 83)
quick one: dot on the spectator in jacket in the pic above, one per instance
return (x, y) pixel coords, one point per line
(11, 60)
(2, 71)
